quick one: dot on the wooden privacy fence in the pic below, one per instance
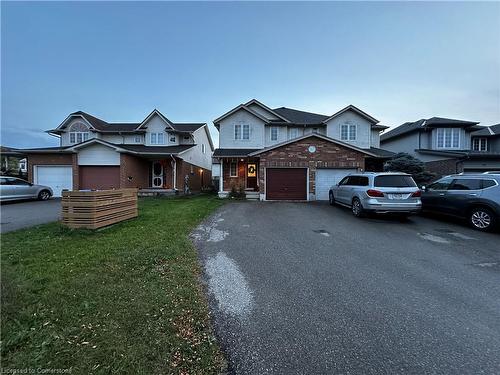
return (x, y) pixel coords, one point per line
(96, 209)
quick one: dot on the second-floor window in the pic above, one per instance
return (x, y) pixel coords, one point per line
(274, 133)
(448, 138)
(294, 133)
(78, 137)
(157, 138)
(348, 132)
(137, 139)
(242, 131)
(172, 138)
(479, 144)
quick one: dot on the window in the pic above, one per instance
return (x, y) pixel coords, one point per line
(157, 139)
(187, 137)
(294, 133)
(137, 139)
(237, 131)
(172, 138)
(394, 181)
(355, 181)
(479, 144)
(466, 184)
(233, 172)
(203, 148)
(488, 183)
(246, 131)
(315, 130)
(78, 137)
(442, 184)
(348, 132)
(274, 133)
(448, 138)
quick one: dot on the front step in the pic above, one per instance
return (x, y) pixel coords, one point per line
(252, 195)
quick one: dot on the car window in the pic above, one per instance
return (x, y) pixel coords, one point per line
(442, 184)
(394, 181)
(360, 181)
(488, 183)
(3, 181)
(343, 181)
(18, 181)
(466, 184)
(350, 180)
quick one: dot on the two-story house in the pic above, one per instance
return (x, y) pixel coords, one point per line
(446, 145)
(287, 154)
(155, 153)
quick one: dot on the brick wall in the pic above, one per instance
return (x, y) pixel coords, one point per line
(238, 181)
(197, 179)
(53, 159)
(134, 172)
(444, 167)
(327, 155)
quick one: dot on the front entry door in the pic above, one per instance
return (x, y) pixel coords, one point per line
(157, 175)
(252, 176)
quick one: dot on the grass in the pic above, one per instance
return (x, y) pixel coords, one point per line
(125, 299)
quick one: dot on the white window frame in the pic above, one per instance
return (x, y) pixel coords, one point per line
(138, 139)
(235, 169)
(480, 143)
(237, 131)
(73, 137)
(294, 133)
(154, 138)
(448, 132)
(172, 138)
(245, 132)
(348, 128)
(271, 133)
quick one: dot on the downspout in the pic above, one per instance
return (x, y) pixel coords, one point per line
(175, 172)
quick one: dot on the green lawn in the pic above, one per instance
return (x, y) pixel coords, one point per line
(124, 299)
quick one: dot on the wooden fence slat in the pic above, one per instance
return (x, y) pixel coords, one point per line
(97, 209)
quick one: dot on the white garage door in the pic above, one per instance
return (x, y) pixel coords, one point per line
(325, 178)
(56, 177)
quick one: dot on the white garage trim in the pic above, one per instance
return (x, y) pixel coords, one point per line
(326, 177)
(57, 185)
(264, 196)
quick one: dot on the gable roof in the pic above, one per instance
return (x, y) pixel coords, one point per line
(424, 124)
(301, 117)
(353, 108)
(154, 112)
(324, 137)
(272, 111)
(236, 109)
(488, 131)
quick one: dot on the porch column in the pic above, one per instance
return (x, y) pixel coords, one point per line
(221, 178)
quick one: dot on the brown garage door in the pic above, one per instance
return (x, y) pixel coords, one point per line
(286, 183)
(99, 178)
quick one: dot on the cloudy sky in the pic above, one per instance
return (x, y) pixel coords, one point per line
(194, 61)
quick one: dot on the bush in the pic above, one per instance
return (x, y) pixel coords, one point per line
(403, 162)
(237, 192)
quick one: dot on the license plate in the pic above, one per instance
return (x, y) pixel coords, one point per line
(395, 196)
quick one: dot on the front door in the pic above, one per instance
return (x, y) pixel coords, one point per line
(157, 175)
(252, 176)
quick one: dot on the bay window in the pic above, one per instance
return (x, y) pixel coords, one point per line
(157, 138)
(78, 137)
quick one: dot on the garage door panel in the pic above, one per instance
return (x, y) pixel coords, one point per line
(58, 178)
(99, 178)
(325, 178)
(286, 184)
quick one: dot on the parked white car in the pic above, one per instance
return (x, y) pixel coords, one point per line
(384, 193)
(12, 188)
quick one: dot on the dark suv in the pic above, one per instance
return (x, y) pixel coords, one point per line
(475, 197)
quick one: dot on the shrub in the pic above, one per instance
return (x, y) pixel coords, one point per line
(403, 162)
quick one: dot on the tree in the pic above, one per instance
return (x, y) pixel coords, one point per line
(403, 162)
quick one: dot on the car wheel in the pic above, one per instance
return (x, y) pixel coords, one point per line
(357, 208)
(482, 218)
(331, 199)
(44, 195)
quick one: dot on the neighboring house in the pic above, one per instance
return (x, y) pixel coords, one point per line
(13, 162)
(153, 154)
(445, 145)
(287, 154)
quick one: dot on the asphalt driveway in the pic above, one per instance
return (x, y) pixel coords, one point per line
(309, 289)
(24, 214)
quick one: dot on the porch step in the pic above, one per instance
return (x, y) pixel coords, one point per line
(252, 195)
